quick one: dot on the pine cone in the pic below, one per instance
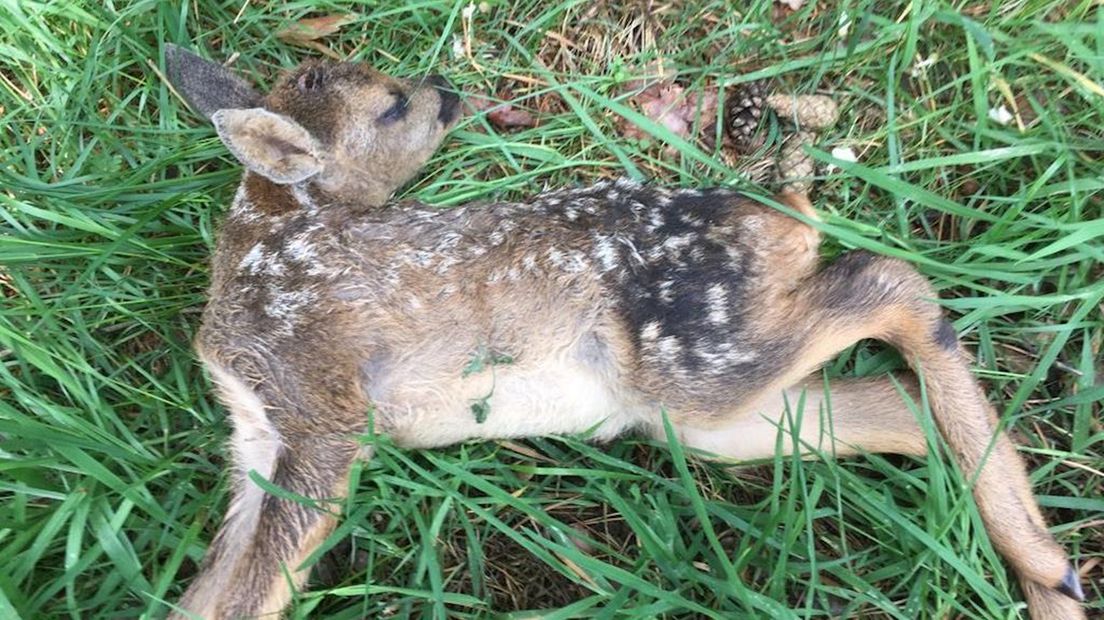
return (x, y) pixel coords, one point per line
(744, 111)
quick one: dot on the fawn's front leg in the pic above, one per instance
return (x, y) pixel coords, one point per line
(255, 561)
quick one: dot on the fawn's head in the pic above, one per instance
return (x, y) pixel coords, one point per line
(353, 132)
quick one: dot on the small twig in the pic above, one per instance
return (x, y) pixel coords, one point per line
(1082, 466)
(241, 12)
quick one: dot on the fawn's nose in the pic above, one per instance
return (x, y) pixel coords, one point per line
(450, 101)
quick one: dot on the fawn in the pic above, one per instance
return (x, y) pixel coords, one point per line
(618, 303)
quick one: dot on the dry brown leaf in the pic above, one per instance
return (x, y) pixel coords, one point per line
(506, 116)
(672, 107)
(306, 31)
(475, 104)
(501, 115)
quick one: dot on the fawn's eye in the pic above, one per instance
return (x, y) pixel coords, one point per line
(311, 80)
(397, 109)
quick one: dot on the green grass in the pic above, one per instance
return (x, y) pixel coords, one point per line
(111, 445)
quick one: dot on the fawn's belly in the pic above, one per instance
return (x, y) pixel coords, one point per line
(551, 400)
(576, 389)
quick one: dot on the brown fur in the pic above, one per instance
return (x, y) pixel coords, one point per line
(611, 304)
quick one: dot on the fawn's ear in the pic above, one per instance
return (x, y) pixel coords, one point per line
(269, 144)
(207, 86)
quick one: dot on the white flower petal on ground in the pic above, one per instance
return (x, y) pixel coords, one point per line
(1000, 115)
(844, 25)
(844, 153)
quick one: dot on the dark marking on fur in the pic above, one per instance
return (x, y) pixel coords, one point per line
(945, 335)
(267, 197)
(450, 101)
(1071, 585)
(848, 282)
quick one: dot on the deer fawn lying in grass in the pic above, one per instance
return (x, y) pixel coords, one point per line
(616, 303)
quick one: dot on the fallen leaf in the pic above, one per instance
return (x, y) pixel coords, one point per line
(308, 30)
(664, 107)
(501, 115)
(672, 107)
(478, 103)
(506, 116)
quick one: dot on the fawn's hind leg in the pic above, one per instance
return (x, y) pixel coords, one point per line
(254, 561)
(865, 296)
(854, 416)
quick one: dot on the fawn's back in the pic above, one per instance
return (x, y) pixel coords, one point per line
(597, 304)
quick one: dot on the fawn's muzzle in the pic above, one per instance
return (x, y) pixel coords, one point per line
(450, 101)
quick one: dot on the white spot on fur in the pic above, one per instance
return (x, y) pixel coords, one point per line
(632, 249)
(300, 248)
(650, 331)
(677, 242)
(252, 258)
(669, 346)
(606, 253)
(686, 218)
(717, 304)
(655, 220)
(242, 209)
(752, 224)
(573, 261)
(286, 305)
(718, 358)
(666, 294)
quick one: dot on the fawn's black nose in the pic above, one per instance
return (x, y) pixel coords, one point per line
(450, 101)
